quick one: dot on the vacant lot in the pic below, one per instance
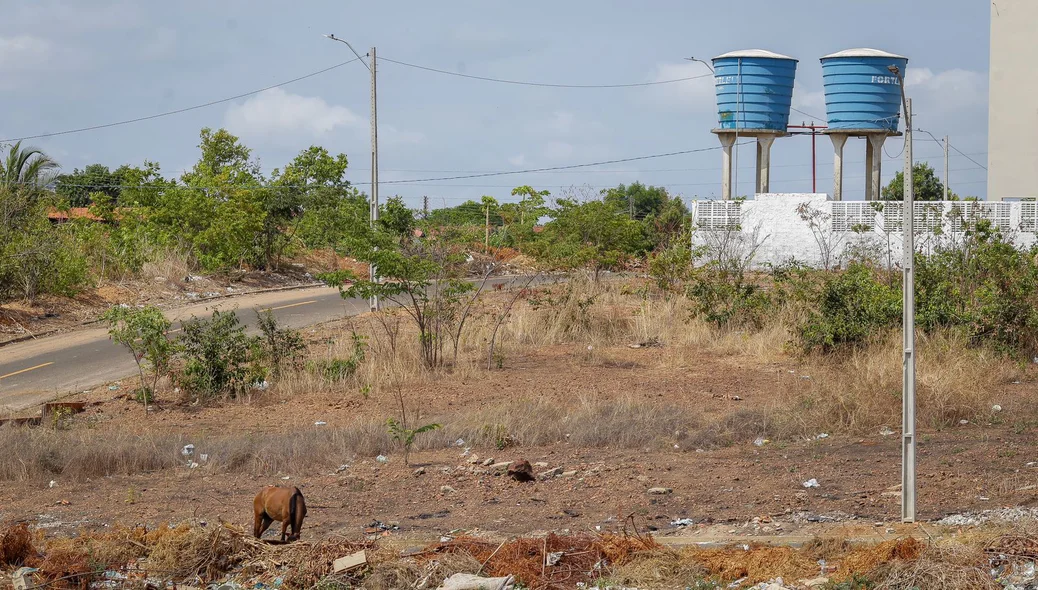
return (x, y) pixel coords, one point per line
(620, 391)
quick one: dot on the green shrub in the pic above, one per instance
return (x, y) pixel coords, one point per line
(219, 358)
(853, 306)
(281, 347)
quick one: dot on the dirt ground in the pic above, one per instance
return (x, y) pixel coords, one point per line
(722, 489)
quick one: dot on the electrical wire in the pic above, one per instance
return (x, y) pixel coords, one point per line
(540, 84)
(807, 115)
(178, 111)
(952, 147)
(554, 168)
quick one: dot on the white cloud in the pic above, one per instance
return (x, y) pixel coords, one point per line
(517, 160)
(811, 102)
(24, 52)
(275, 112)
(561, 123)
(947, 91)
(696, 94)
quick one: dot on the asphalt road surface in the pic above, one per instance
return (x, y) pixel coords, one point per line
(39, 371)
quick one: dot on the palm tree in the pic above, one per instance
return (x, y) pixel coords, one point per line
(28, 167)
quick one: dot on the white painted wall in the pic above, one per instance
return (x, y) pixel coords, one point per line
(774, 222)
(1012, 111)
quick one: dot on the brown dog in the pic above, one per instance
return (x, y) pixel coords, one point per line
(282, 504)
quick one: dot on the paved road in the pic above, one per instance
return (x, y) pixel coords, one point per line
(38, 371)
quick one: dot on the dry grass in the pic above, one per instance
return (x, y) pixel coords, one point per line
(862, 391)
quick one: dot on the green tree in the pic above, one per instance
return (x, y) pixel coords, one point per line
(331, 207)
(26, 167)
(396, 218)
(638, 200)
(531, 204)
(925, 182)
(79, 187)
(143, 332)
(595, 235)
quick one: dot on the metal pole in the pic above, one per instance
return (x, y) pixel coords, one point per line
(908, 391)
(814, 169)
(374, 167)
(946, 167)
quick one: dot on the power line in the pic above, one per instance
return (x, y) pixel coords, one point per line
(541, 84)
(556, 168)
(178, 111)
(807, 114)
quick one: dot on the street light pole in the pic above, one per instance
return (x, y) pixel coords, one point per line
(908, 441)
(373, 270)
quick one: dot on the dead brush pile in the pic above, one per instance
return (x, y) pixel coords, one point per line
(552, 562)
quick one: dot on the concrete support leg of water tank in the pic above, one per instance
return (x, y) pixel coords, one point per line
(764, 144)
(838, 142)
(727, 142)
(874, 167)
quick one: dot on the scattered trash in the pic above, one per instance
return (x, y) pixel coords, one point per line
(473, 582)
(286, 477)
(382, 459)
(261, 385)
(349, 562)
(53, 484)
(682, 522)
(553, 558)
(821, 436)
(760, 441)
(465, 453)
(488, 462)
(194, 465)
(996, 408)
(964, 422)
(886, 432)
(320, 423)
(659, 491)
(460, 442)
(63, 503)
(812, 483)
(188, 450)
(22, 578)
(204, 457)
(113, 387)
(342, 468)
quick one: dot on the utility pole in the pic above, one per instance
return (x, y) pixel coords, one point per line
(374, 167)
(486, 239)
(425, 206)
(908, 441)
(946, 145)
(373, 270)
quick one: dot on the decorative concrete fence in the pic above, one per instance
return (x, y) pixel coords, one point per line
(813, 230)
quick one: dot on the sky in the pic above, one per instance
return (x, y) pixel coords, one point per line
(71, 64)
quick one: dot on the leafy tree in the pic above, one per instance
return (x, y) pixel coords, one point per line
(421, 276)
(596, 235)
(222, 207)
(925, 182)
(531, 205)
(638, 200)
(79, 187)
(395, 218)
(143, 332)
(312, 190)
(281, 346)
(26, 167)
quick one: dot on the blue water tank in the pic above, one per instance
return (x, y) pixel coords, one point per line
(754, 90)
(860, 90)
